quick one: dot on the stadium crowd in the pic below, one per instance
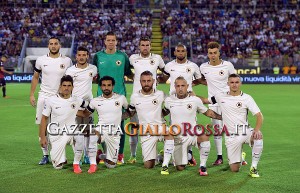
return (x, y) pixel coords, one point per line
(273, 33)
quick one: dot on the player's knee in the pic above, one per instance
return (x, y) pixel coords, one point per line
(180, 168)
(110, 165)
(235, 167)
(149, 164)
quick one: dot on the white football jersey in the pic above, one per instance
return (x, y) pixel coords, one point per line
(109, 109)
(141, 64)
(188, 70)
(148, 107)
(217, 76)
(235, 109)
(83, 79)
(184, 110)
(62, 111)
(52, 69)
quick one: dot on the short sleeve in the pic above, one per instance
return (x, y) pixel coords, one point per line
(252, 106)
(200, 107)
(132, 106)
(91, 106)
(231, 69)
(161, 64)
(38, 66)
(125, 103)
(197, 73)
(47, 108)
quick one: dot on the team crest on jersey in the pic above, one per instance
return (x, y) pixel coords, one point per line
(73, 106)
(188, 70)
(222, 72)
(239, 104)
(189, 106)
(91, 74)
(118, 62)
(155, 102)
(152, 62)
(62, 66)
(117, 103)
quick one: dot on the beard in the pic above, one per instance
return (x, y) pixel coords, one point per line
(147, 88)
(107, 92)
(54, 53)
(180, 58)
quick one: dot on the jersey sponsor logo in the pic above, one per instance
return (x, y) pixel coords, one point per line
(117, 103)
(62, 66)
(172, 70)
(152, 62)
(45, 65)
(118, 62)
(99, 105)
(57, 107)
(239, 104)
(155, 102)
(101, 62)
(188, 70)
(221, 73)
(73, 106)
(189, 106)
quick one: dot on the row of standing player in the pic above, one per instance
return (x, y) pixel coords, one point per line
(115, 63)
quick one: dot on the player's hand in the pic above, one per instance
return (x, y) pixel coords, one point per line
(10, 73)
(43, 141)
(257, 135)
(32, 101)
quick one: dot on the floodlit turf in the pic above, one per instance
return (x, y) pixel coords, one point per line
(279, 166)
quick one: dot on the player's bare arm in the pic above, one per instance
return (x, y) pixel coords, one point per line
(126, 114)
(42, 131)
(163, 77)
(165, 112)
(257, 135)
(34, 83)
(204, 100)
(212, 114)
(5, 71)
(199, 81)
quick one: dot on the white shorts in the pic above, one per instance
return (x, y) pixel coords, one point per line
(217, 109)
(85, 120)
(149, 147)
(181, 148)
(112, 146)
(58, 148)
(234, 145)
(39, 108)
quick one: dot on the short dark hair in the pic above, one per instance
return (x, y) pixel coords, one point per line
(212, 45)
(107, 78)
(81, 48)
(180, 45)
(53, 37)
(144, 38)
(234, 76)
(180, 78)
(110, 34)
(146, 73)
(66, 78)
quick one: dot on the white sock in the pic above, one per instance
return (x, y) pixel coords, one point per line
(86, 145)
(256, 152)
(190, 151)
(78, 148)
(204, 152)
(45, 150)
(133, 140)
(92, 150)
(218, 143)
(168, 151)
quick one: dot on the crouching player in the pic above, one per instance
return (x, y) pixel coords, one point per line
(234, 106)
(62, 109)
(147, 103)
(109, 107)
(183, 109)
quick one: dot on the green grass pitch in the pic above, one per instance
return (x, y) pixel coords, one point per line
(279, 166)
